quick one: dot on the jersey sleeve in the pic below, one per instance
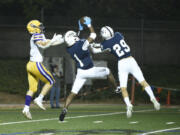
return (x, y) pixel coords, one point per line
(102, 45)
(119, 34)
(105, 47)
(85, 45)
(38, 37)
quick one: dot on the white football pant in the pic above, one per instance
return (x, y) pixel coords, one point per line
(128, 66)
(83, 75)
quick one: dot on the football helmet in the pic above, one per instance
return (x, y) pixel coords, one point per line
(35, 26)
(71, 38)
(106, 32)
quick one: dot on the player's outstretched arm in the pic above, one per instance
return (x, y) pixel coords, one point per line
(56, 40)
(96, 48)
(87, 22)
(92, 35)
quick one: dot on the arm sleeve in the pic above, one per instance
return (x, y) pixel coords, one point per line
(40, 37)
(96, 48)
(57, 40)
(85, 45)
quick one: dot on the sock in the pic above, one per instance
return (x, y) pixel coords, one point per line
(28, 100)
(150, 92)
(40, 97)
(26, 107)
(127, 101)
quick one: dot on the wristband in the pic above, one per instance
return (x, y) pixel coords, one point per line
(93, 35)
(89, 25)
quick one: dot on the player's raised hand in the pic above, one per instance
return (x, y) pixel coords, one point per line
(81, 23)
(85, 20)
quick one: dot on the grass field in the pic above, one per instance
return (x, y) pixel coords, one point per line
(91, 119)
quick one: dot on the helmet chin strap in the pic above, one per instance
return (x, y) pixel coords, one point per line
(108, 38)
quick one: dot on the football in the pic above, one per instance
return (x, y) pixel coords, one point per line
(82, 20)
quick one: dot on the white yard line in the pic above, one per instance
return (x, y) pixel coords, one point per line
(82, 116)
(159, 131)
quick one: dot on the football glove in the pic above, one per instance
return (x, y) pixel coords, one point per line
(57, 40)
(80, 26)
(87, 20)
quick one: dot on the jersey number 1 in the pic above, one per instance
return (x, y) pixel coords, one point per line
(80, 62)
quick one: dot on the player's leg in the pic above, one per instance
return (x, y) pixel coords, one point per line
(123, 78)
(149, 91)
(112, 81)
(33, 83)
(78, 84)
(137, 73)
(123, 86)
(101, 72)
(45, 76)
(38, 101)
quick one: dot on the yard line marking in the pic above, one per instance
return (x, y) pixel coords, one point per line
(98, 121)
(158, 131)
(169, 123)
(133, 122)
(27, 121)
(47, 134)
(74, 117)
(62, 121)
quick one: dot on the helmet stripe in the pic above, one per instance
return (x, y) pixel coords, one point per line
(109, 31)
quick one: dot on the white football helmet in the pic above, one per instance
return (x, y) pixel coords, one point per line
(106, 32)
(70, 38)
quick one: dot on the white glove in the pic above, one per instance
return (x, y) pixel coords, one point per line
(96, 45)
(57, 40)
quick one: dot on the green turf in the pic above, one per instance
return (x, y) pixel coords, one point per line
(110, 123)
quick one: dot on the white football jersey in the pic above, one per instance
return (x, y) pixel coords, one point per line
(35, 50)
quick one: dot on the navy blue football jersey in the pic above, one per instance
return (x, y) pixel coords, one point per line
(117, 46)
(82, 58)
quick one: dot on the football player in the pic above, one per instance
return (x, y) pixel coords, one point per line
(115, 44)
(35, 69)
(78, 49)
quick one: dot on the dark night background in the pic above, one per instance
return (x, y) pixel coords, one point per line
(134, 9)
(150, 27)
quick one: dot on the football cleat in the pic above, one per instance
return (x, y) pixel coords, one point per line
(129, 111)
(63, 114)
(27, 114)
(118, 90)
(156, 104)
(39, 103)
